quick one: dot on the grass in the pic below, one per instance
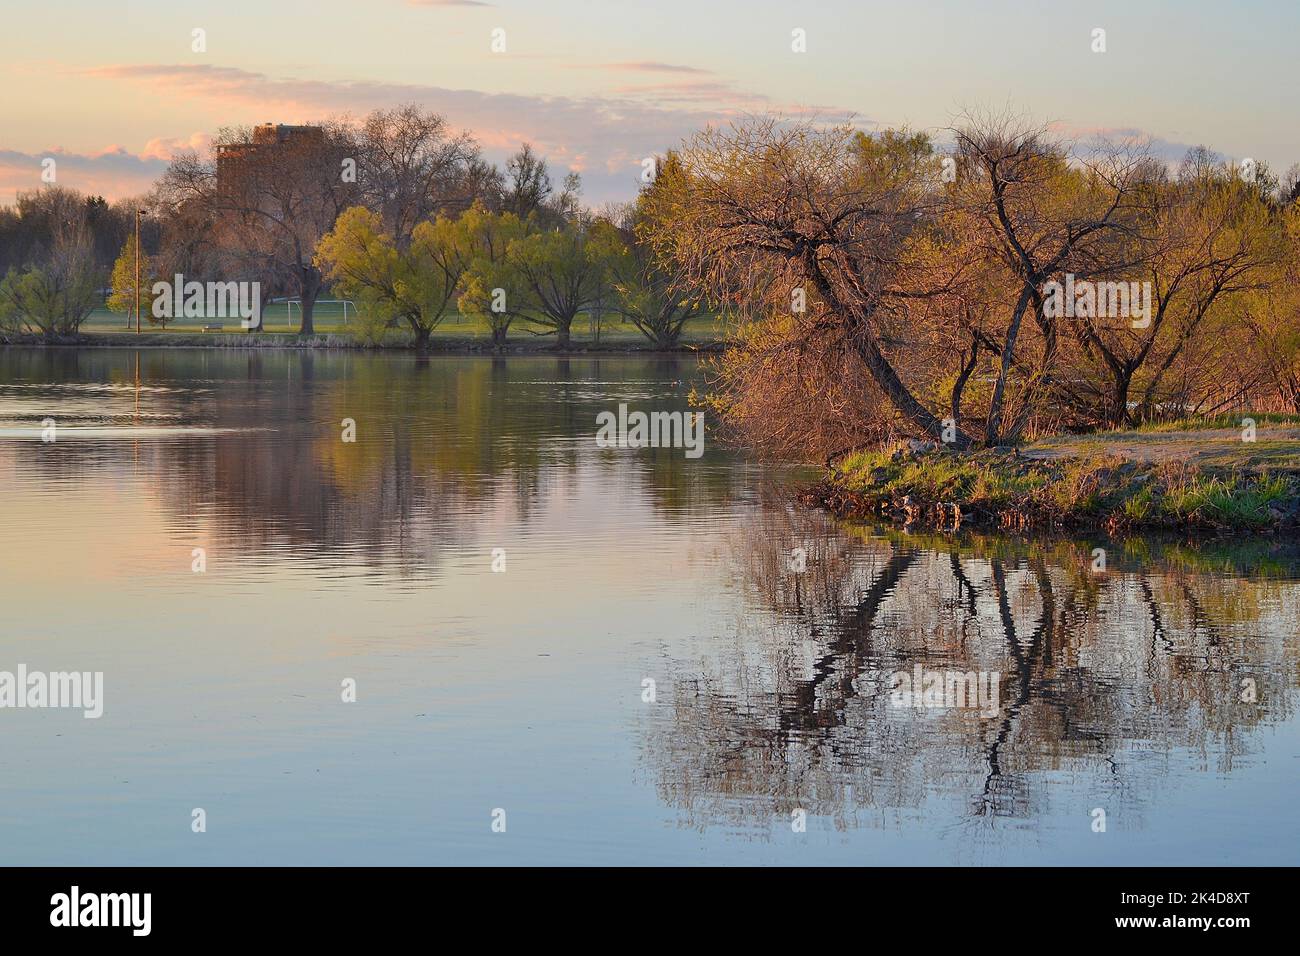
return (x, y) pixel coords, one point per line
(977, 479)
(328, 320)
(1217, 442)
(1237, 501)
(1226, 420)
(1088, 490)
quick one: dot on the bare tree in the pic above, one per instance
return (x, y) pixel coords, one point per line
(1213, 238)
(270, 194)
(527, 183)
(1021, 203)
(411, 167)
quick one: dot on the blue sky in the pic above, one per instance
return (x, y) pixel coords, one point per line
(111, 88)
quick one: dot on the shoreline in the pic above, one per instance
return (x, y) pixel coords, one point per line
(1008, 492)
(334, 341)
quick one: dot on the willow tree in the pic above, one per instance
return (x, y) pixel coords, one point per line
(561, 272)
(1212, 240)
(650, 290)
(826, 231)
(1032, 211)
(56, 295)
(269, 195)
(651, 297)
(1271, 318)
(492, 289)
(415, 285)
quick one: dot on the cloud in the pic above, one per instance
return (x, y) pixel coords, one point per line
(166, 147)
(642, 66)
(1170, 151)
(113, 173)
(608, 135)
(694, 91)
(448, 3)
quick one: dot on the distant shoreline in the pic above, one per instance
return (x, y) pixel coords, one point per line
(334, 341)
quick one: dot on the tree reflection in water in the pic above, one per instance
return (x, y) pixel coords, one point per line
(1116, 688)
(1103, 674)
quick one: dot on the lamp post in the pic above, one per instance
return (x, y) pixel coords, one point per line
(137, 270)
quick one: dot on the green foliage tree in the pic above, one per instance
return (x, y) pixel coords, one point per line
(561, 271)
(491, 288)
(415, 285)
(651, 292)
(123, 298)
(54, 298)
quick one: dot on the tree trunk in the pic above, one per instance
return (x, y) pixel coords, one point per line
(991, 432)
(882, 372)
(968, 366)
(309, 289)
(1117, 414)
(667, 334)
(887, 379)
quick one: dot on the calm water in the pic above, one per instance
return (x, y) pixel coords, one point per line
(523, 690)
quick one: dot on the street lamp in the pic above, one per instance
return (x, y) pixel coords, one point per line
(138, 213)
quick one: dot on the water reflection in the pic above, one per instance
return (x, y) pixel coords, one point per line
(439, 442)
(1120, 689)
(1104, 674)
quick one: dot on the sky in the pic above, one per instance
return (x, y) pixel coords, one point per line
(110, 89)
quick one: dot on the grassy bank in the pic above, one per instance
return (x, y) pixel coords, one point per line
(456, 333)
(1082, 489)
(445, 344)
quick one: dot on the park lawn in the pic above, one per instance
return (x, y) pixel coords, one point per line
(328, 320)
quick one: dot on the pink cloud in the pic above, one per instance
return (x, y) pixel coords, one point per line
(597, 132)
(641, 66)
(691, 91)
(113, 173)
(1170, 151)
(166, 147)
(606, 137)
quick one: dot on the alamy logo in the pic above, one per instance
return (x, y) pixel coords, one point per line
(37, 689)
(651, 430)
(103, 909)
(922, 688)
(209, 300)
(1086, 299)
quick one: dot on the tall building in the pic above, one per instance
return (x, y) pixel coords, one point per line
(236, 160)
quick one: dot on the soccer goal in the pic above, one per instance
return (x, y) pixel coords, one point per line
(290, 303)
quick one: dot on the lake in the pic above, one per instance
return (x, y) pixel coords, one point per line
(565, 653)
